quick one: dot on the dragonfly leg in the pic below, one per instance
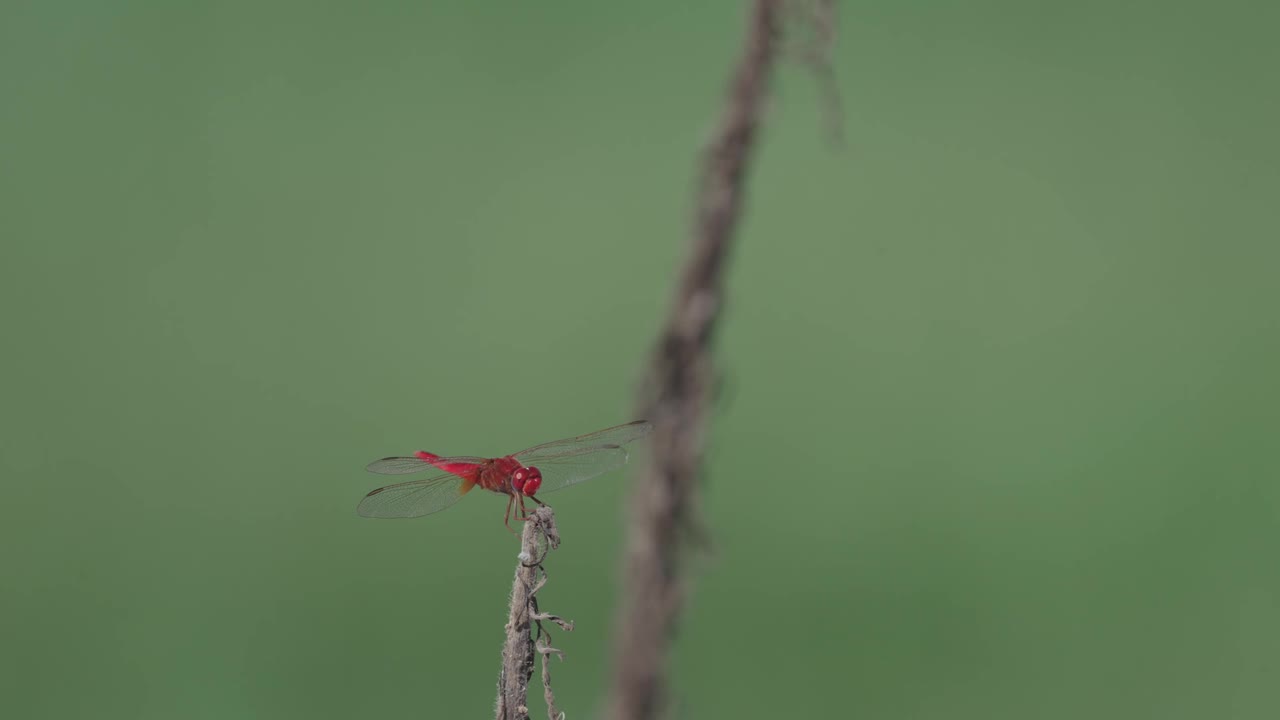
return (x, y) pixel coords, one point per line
(540, 503)
(506, 518)
(524, 511)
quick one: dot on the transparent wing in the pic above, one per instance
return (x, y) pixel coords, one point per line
(578, 466)
(407, 465)
(414, 498)
(607, 438)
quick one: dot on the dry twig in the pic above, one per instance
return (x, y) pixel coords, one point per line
(678, 391)
(525, 631)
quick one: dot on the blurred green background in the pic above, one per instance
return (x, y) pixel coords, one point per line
(999, 435)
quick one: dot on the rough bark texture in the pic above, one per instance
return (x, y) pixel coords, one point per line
(678, 391)
(525, 632)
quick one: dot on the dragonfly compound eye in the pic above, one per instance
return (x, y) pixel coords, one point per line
(533, 482)
(518, 479)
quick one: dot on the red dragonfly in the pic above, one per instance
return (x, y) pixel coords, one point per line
(542, 468)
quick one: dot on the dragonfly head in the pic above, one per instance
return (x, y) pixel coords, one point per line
(526, 480)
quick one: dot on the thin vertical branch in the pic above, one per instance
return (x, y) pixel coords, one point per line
(677, 391)
(525, 631)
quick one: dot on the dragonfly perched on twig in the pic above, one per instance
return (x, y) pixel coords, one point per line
(540, 469)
